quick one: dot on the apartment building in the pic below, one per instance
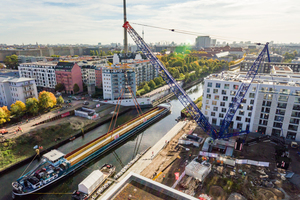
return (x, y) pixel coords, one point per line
(265, 68)
(43, 73)
(92, 75)
(116, 79)
(14, 89)
(69, 74)
(271, 105)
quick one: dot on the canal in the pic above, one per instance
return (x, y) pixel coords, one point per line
(119, 156)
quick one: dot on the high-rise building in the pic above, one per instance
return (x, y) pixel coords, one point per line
(203, 42)
(116, 79)
(16, 89)
(271, 105)
(43, 73)
(213, 42)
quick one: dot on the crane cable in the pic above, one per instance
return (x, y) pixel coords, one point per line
(189, 32)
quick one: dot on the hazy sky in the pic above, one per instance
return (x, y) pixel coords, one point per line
(91, 21)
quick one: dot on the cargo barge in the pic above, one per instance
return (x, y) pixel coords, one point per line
(55, 165)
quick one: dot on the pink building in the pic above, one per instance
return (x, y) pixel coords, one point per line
(98, 75)
(69, 74)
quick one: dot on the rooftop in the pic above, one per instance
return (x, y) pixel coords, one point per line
(14, 79)
(53, 155)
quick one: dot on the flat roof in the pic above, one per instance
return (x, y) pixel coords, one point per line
(53, 155)
(135, 184)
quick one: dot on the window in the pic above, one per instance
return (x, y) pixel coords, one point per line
(280, 112)
(207, 101)
(215, 91)
(281, 105)
(241, 106)
(208, 90)
(291, 135)
(223, 92)
(241, 112)
(294, 121)
(283, 98)
(296, 107)
(223, 110)
(217, 97)
(209, 84)
(208, 96)
(215, 108)
(279, 118)
(244, 101)
(277, 125)
(206, 113)
(297, 100)
(232, 93)
(252, 101)
(226, 86)
(222, 104)
(293, 127)
(295, 114)
(285, 91)
(218, 85)
(214, 121)
(263, 122)
(214, 103)
(268, 96)
(235, 87)
(250, 108)
(207, 107)
(247, 120)
(251, 95)
(249, 114)
(221, 115)
(253, 89)
(225, 98)
(213, 114)
(239, 126)
(238, 118)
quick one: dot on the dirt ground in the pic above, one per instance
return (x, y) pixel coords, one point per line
(221, 185)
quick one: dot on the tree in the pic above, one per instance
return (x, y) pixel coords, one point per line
(146, 88)
(11, 62)
(32, 106)
(18, 109)
(4, 115)
(151, 84)
(46, 100)
(75, 88)
(60, 100)
(109, 53)
(157, 81)
(60, 87)
(92, 53)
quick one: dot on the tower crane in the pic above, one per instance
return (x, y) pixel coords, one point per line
(186, 101)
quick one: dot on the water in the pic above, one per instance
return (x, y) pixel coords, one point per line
(119, 157)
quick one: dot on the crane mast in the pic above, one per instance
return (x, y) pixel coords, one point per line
(185, 100)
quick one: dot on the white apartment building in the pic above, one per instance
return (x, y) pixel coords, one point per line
(16, 89)
(114, 80)
(43, 73)
(88, 74)
(271, 105)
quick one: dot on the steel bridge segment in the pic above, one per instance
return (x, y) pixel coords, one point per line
(223, 133)
(176, 89)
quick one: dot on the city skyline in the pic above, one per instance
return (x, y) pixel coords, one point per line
(90, 22)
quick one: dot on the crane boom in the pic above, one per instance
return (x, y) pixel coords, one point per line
(174, 86)
(223, 133)
(186, 101)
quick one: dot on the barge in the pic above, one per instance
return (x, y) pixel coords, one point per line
(55, 165)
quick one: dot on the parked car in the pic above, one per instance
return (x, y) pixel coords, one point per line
(86, 103)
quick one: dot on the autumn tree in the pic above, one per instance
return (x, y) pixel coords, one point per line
(32, 106)
(46, 100)
(60, 100)
(75, 88)
(18, 109)
(109, 53)
(4, 115)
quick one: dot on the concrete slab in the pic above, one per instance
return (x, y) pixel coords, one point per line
(146, 159)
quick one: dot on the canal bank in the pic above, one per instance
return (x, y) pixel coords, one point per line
(119, 156)
(74, 135)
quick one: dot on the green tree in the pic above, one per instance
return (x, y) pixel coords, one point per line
(157, 81)
(109, 53)
(17, 109)
(75, 88)
(96, 53)
(60, 100)
(146, 88)
(32, 106)
(60, 87)
(11, 62)
(92, 53)
(151, 84)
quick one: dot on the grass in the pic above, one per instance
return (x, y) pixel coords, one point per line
(21, 147)
(198, 103)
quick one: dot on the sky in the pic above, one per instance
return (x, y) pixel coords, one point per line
(91, 22)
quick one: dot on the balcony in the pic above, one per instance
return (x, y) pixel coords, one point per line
(296, 107)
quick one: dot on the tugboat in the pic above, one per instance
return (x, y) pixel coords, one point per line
(88, 187)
